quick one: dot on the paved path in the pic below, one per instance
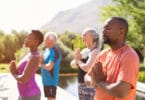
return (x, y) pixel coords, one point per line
(8, 89)
(141, 89)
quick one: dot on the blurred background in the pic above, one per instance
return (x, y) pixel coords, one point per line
(68, 18)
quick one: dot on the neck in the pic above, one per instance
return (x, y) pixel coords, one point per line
(117, 46)
(33, 49)
(90, 46)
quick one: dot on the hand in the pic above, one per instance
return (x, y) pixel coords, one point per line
(88, 81)
(78, 55)
(12, 67)
(97, 73)
(73, 64)
(41, 59)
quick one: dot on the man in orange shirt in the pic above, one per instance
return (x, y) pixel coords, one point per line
(115, 71)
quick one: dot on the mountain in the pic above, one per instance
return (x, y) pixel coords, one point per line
(76, 19)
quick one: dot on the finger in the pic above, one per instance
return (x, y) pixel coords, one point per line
(95, 67)
(99, 66)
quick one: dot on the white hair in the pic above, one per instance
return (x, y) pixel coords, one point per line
(97, 37)
(52, 35)
(92, 32)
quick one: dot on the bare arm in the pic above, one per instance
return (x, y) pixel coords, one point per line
(87, 65)
(48, 66)
(73, 64)
(90, 61)
(13, 68)
(118, 89)
(31, 66)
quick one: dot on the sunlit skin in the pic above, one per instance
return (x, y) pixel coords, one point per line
(32, 43)
(87, 39)
(49, 42)
(113, 34)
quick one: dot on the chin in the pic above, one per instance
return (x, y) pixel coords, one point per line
(26, 45)
(106, 40)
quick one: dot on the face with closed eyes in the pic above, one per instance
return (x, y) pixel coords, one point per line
(111, 32)
(31, 40)
(87, 38)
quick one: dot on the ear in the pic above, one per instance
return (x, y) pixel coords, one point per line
(122, 31)
(36, 42)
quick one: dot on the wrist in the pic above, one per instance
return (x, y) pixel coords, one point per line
(78, 62)
(100, 83)
(43, 65)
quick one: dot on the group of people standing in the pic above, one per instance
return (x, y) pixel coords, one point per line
(109, 74)
(49, 62)
(113, 72)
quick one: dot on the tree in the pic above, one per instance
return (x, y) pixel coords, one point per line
(10, 43)
(19, 38)
(8, 48)
(71, 40)
(134, 12)
(77, 42)
(66, 38)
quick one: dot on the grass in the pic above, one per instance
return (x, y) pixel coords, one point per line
(141, 77)
(4, 68)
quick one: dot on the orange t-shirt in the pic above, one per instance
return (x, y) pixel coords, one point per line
(121, 64)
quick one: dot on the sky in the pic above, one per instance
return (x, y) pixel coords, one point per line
(31, 14)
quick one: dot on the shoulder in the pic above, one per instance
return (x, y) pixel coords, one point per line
(51, 51)
(129, 52)
(95, 51)
(104, 52)
(56, 50)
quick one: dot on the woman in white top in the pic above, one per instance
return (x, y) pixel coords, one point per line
(84, 59)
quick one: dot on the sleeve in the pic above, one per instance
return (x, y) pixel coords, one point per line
(52, 56)
(129, 68)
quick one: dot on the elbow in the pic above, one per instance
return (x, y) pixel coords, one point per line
(122, 95)
(84, 68)
(22, 80)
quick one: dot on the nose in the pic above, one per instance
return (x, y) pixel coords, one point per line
(82, 36)
(104, 31)
(25, 40)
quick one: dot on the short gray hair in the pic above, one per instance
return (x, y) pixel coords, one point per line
(51, 34)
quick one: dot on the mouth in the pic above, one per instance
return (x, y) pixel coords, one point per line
(104, 36)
